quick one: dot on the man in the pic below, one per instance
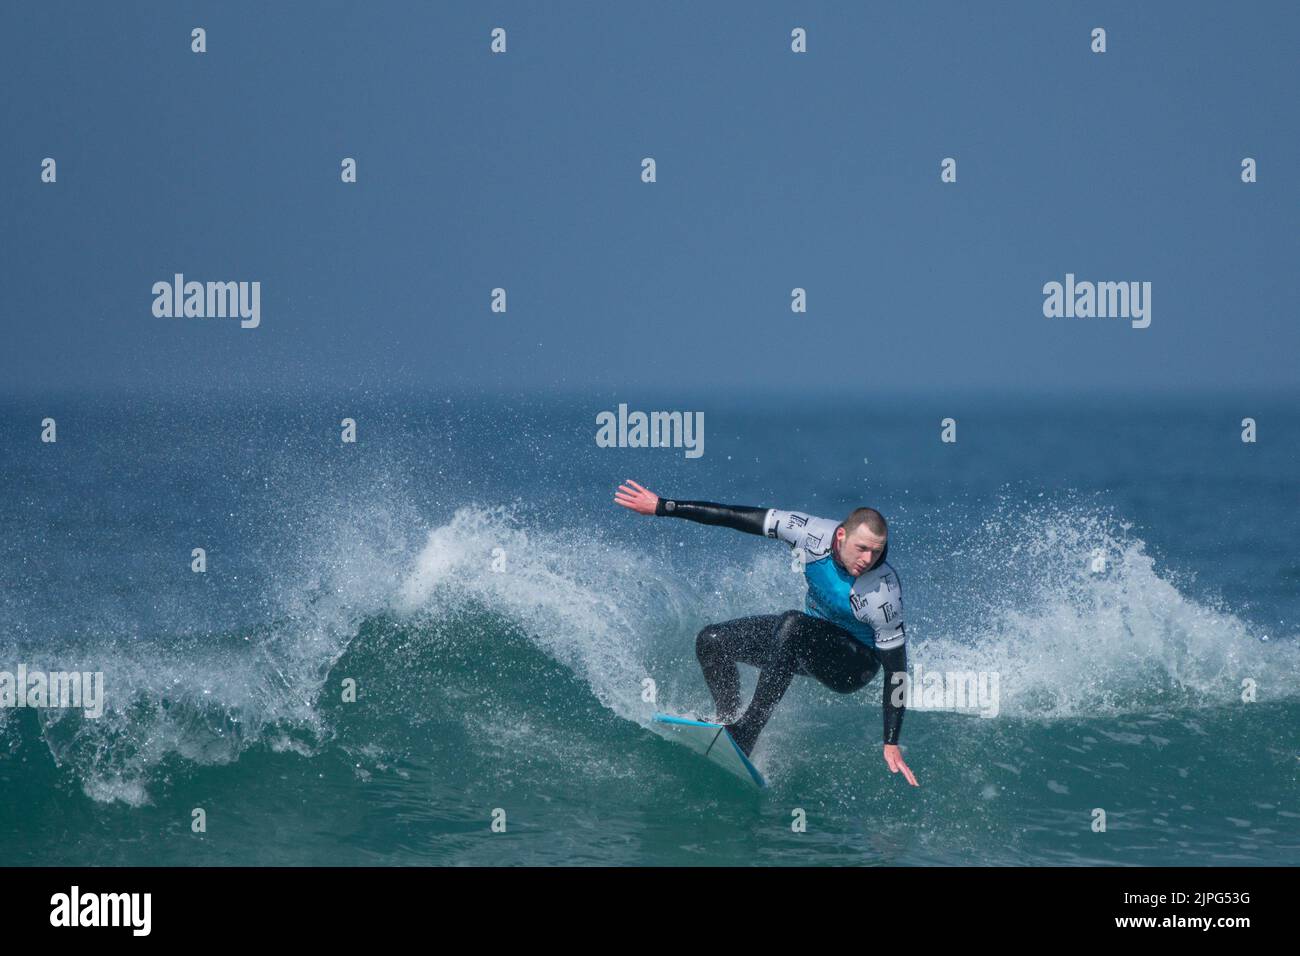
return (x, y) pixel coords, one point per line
(851, 627)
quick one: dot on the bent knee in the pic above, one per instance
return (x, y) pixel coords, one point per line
(707, 643)
(790, 618)
(787, 628)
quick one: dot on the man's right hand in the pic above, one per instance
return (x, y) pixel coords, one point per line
(631, 495)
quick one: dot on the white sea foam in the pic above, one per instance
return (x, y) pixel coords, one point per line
(566, 588)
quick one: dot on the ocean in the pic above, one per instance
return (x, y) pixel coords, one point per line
(1125, 565)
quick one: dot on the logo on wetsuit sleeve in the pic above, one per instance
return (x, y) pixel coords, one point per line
(813, 545)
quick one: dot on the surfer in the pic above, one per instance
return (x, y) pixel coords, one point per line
(851, 625)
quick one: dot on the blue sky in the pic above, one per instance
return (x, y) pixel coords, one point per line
(775, 171)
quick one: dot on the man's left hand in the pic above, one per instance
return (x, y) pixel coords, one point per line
(894, 757)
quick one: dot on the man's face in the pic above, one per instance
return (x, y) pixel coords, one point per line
(859, 550)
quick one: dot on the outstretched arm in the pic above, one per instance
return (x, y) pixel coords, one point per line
(643, 501)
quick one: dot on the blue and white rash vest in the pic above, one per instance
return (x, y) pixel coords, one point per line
(870, 606)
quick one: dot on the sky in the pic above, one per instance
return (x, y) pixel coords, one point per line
(523, 170)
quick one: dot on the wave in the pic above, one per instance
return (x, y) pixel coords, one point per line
(491, 631)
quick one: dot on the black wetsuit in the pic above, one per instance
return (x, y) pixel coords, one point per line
(850, 627)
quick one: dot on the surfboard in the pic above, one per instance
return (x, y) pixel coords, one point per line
(714, 743)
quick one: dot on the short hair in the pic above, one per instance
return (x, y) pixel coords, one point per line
(870, 517)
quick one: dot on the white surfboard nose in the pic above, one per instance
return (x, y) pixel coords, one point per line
(714, 743)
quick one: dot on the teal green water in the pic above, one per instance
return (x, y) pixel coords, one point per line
(413, 775)
(499, 619)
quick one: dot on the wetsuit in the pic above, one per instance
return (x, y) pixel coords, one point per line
(849, 628)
